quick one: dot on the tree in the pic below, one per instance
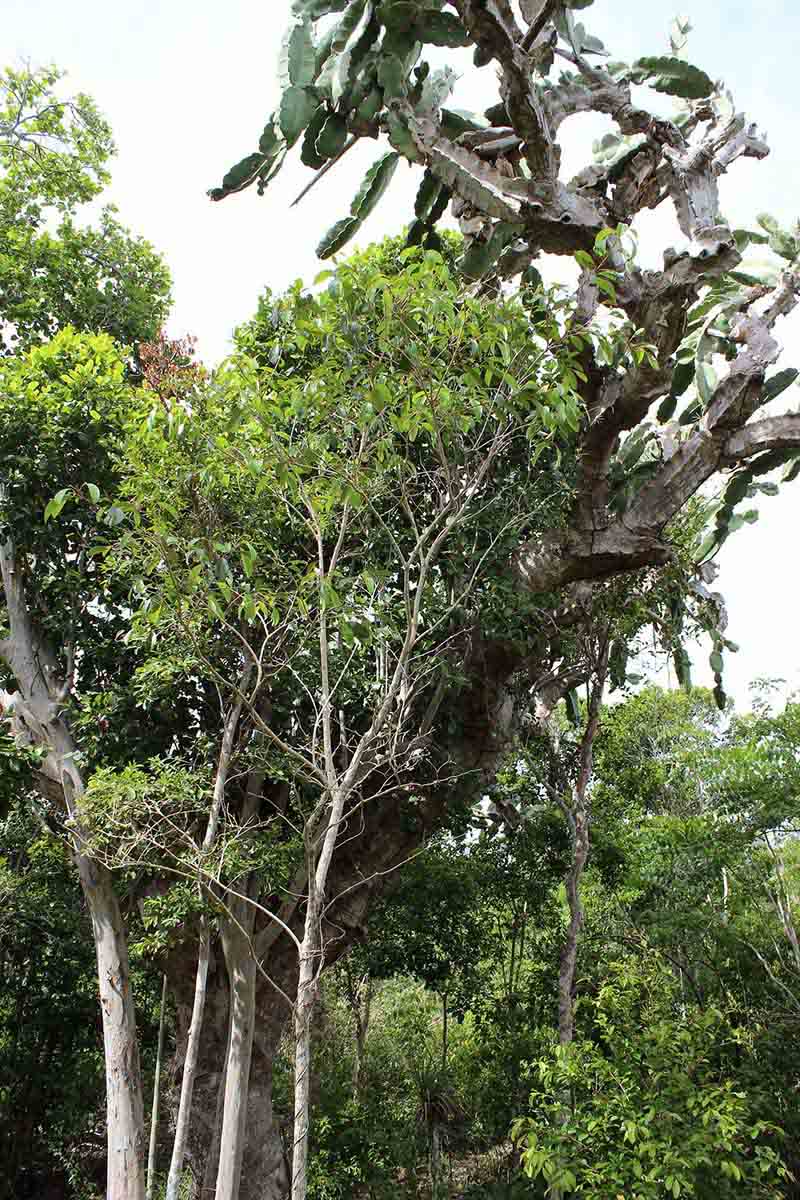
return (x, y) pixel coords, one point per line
(55, 271)
(318, 564)
(632, 513)
(53, 154)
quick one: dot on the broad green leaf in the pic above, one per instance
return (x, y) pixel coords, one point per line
(348, 24)
(706, 379)
(371, 105)
(317, 8)
(398, 14)
(308, 150)
(241, 176)
(298, 106)
(54, 506)
(715, 661)
(666, 409)
(441, 29)
(270, 142)
(337, 236)
(792, 471)
(114, 516)
(94, 492)
(301, 55)
(427, 193)
(768, 222)
(374, 184)
(332, 136)
(778, 383)
(401, 139)
(672, 76)
(392, 76)
(455, 122)
(435, 90)
(481, 256)
(784, 245)
(746, 237)
(573, 707)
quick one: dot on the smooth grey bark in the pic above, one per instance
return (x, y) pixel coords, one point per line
(124, 1106)
(154, 1113)
(242, 974)
(204, 949)
(189, 1066)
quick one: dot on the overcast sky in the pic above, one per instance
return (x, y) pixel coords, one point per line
(188, 85)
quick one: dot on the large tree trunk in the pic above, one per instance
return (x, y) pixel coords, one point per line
(264, 1172)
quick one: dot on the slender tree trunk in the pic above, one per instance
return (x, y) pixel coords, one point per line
(444, 1030)
(203, 953)
(362, 1016)
(242, 975)
(189, 1066)
(304, 1010)
(151, 1157)
(569, 951)
(578, 817)
(436, 1159)
(125, 1110)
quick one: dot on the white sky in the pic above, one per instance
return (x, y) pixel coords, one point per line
(188, 85)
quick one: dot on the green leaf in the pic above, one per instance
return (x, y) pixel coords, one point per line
(374, 184)
(706, 378)
(573, 707)
(298, 106)
(332, 136)
(317, 8)
(114, 516)
(398, 14)
(94, 492)
(371, 105)
(241, 176)
(672, 76)
(347, 25)
(392, 76)
(337, 236)
(308, 151)
(481, 256)
(778, 383)
(683, 668)
(435, 90)
(768, 222)
(301, 55)
(427, 193)
(441, 29)
(715, 661)
(792, 471)
(54, 506)
(270, 143)
(666, 409)
(784, 245)
(401, 139)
